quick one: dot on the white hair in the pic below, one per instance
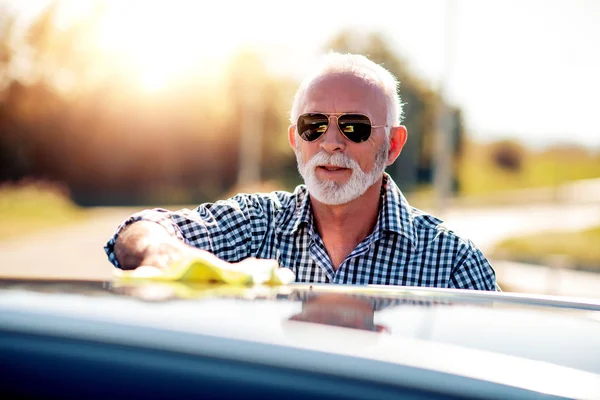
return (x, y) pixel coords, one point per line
(361, 67)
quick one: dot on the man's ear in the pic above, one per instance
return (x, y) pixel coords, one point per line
(292, 136)
(398, 136)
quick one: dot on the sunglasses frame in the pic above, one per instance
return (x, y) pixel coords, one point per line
(337, 123)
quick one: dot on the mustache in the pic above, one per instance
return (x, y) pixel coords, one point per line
(340, 160)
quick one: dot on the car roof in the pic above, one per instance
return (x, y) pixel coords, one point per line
(479, 334)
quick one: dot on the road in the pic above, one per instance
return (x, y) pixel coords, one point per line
(487, 226)
(72, 252)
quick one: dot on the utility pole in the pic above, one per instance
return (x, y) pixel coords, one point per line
(444, 146)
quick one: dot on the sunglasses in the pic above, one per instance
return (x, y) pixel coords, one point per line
(355, 127)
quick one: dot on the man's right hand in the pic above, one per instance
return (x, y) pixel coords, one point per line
(146, 243)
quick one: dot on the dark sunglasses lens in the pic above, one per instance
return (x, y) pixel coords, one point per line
(355, 127)
(312, 126)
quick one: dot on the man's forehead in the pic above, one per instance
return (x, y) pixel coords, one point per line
(342, 92)
(341, 84)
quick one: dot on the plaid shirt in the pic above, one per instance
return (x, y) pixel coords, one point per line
(407, 247)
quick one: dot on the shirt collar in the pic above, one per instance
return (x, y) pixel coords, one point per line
(394, 216)
(300, 215)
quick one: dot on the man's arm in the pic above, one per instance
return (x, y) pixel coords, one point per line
(145, 243)
(228, 230)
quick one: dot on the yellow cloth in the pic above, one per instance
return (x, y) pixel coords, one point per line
(250, 272)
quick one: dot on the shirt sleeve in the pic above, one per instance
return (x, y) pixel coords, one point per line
(473, 271)
(230, 229)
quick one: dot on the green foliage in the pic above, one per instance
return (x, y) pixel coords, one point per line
(29, 207)
(479, 174)
(579, 249)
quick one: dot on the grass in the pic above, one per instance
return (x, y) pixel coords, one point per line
(32, 207)
(579, 249)
(478, 175)
(484, 183)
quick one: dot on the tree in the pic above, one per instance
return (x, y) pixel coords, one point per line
(268, 98)
(508, 155)
(7, 27)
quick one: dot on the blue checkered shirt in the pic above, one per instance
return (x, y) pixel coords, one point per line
(407, 247)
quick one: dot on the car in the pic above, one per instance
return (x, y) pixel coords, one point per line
(151, 340)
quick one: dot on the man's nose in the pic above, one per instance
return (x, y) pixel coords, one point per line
(333, 140)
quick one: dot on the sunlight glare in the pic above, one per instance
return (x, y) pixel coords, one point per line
(160, 43)
(152, 82)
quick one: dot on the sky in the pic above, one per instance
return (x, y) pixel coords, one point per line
(528, 69)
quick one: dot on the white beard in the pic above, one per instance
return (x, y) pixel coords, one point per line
(333, 193)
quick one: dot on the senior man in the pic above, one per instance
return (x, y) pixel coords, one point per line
(348, 223)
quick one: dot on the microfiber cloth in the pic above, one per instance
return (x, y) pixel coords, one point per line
(250, 272)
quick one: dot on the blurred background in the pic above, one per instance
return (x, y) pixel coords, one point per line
(111, 106)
